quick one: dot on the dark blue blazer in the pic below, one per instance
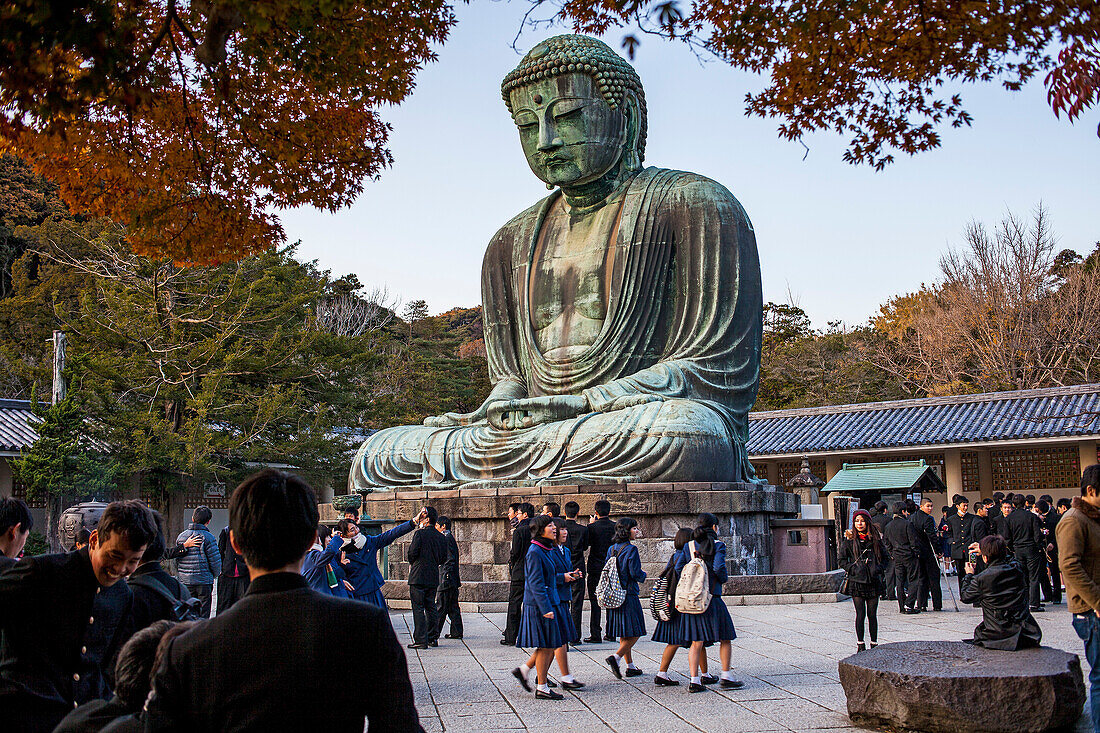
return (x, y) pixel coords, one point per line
(721, 574)
(540, 587)
(563, 563)
(362, 572)
(315, 569)
(630, 566)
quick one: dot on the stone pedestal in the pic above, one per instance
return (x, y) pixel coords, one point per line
(483, 534)
(954, 687)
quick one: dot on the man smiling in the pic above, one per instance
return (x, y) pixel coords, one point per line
(63, 618)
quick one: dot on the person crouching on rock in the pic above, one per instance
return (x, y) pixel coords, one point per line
(1002, 592)
(539, 628)
(864, 559)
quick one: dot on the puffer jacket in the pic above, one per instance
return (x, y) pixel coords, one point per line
(201, 565)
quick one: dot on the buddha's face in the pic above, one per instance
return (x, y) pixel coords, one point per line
(568, 132)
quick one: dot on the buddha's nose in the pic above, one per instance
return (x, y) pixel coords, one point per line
(548, 136)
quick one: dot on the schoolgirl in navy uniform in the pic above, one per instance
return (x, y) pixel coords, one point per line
(563, 560)
(718, 612)
(626, 622)
(539, 628)
(669, 631)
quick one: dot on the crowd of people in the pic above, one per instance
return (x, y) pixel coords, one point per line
(104, 638)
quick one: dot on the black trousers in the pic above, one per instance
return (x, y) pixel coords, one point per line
(576, 604)
(203, 593)
(930, 582)
(425, 616)
(594, 622)
(1055, 579)
(907, 582)
(447, 602)
(1032, 561)
(515, 610)
(231, 590)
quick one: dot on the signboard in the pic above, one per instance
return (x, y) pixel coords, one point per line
(214, 490)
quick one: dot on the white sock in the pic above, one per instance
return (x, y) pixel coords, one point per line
(696, 680)
(524, 670)
(662, 674)
(632, 666)
(542, 688)
(728, 675)
(567, 678)
(617, 658)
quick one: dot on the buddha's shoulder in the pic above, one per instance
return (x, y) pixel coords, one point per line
(688, 186)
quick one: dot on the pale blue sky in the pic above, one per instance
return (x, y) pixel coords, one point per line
(840, 239)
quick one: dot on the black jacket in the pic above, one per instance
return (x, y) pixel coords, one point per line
(233, 565)
(60, 632)
(150, 606)
(926, 528)
(449, 579)
(864, 563)
(427, 551)
(274, 662)
(902, 540)
(980, 527)
(6, 562)
(1001, 591)
(600, 533)
(1025, 531)
(92, 717)
(999, 524)
(517, 557)
(880, 521)
(577, 542)
(961, 534)
(1050, 523)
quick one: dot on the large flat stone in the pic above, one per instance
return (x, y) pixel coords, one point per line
(954, 687)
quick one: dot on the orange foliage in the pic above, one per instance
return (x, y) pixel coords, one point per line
(193, 124)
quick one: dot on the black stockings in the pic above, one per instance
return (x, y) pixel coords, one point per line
(866, 608)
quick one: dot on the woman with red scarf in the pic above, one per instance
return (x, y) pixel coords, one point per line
(863, 558)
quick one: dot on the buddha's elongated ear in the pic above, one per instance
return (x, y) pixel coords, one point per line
(632, 120)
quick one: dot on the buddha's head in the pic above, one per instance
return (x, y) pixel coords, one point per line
(580, 110)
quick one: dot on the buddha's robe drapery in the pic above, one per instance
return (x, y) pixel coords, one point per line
(683, 324)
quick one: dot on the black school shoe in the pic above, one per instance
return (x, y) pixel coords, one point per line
(666, 682)
(551, 695)
(593, 640)
(731, 684)
(709, 679)
(574, 685)
(614, 666)
(634, 672)
(416, 646)
(692, 687)
(522, 680)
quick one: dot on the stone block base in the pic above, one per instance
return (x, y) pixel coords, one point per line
(954, 687)
(483, 534)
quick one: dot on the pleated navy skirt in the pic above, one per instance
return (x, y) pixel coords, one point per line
(537, 631)
(698, 626)
(722, 619)
(627, 620)
(565, 621)
(376, 598)
(667, 632)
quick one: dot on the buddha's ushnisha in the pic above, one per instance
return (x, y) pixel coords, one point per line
(622, 313)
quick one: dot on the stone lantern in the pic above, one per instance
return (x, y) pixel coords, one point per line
(805, 484)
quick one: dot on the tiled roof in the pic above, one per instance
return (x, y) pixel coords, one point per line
(16, 421)
(902, 475)
(1033, 414)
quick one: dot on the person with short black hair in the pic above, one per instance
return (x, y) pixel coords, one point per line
(1063, 505)
(880, 519)
(267, 662)
(133, 673)
(198, 568)
(926, 527)
(157, 594)
(522, 513)
(16, 523)
(577, 543)
(449, 583)
(960, 525)
(64, 616)
(601, 530)
(1050, 581)
(539, 628)
(626, 623)
(1025, 540)
(427, 551)
(903, 543)
(1001, 592)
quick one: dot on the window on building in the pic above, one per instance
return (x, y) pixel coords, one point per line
(1034, 470)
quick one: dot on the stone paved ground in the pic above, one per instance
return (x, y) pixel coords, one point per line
(787, 655)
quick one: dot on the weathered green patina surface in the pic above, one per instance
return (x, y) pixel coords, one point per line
(622, 313)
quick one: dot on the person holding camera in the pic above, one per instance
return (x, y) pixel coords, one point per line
(1001, 590)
